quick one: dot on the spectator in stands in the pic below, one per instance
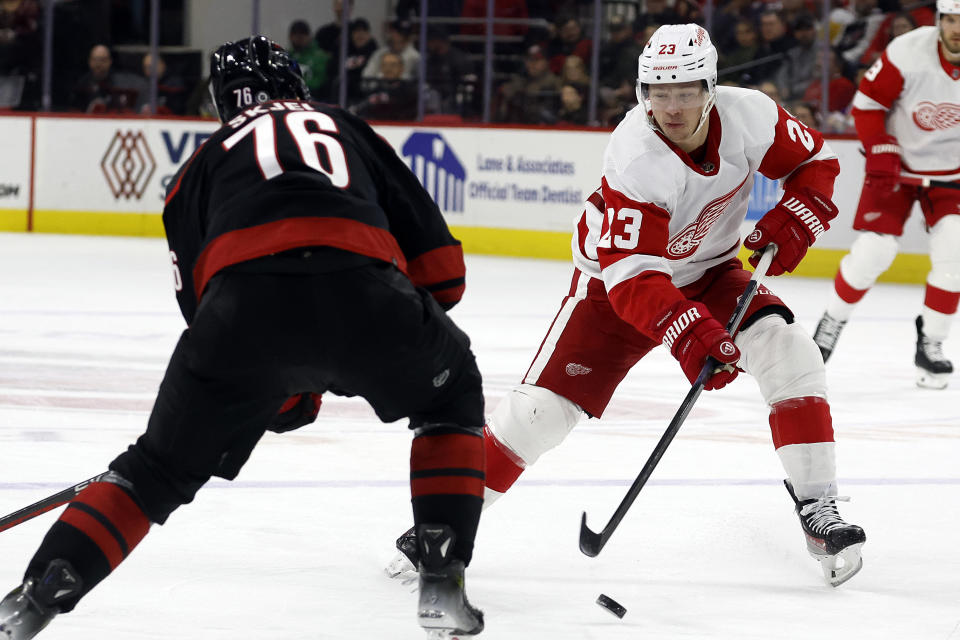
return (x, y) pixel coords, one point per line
(618, 68)
(511, 9)
(20, 42)
(771, 90)
(530, 97)
(399, 41)
(841, 89)
(573, 105)
(360, 48)
(658, 12)
(806, 113)
(796, 72)
(314, 62)
(569, 41)
(775, 40)
(725, 21)
(328, 36)
(575, 71)
(902, 23)
(857, 35)
(689, 11)
(105, 90)
(793, 10)
(388, 96)
(449, 71)
(922, 16)
(171, 89)
(745, 50)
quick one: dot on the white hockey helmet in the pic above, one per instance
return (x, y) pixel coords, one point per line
(680, 53)
(948, 6)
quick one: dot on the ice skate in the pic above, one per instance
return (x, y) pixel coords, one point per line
(443, 612)
(834, 543)
(827, 334)
(933, 368)
(404, 565)
(26, 610)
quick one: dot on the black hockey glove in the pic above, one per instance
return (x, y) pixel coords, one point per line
(298, 411)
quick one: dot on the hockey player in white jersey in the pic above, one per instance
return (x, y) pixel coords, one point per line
(907, 114)
(655, 262)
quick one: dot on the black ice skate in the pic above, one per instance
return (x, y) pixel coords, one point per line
(933, 368)
(444, 611)
(827, 334)
(834, 543)
(404, 564)
(30, 607)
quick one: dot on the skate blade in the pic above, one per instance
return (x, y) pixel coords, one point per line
(841, 567)
(927, 380)
(447, 634)
(400, 568)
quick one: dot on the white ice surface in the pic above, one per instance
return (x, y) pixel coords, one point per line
(294, 549)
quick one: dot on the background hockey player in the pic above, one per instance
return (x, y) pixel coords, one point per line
(655, 255)
(305, 250)
(907, 113)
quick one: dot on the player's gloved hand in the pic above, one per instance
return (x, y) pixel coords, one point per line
(793, 225)
(298, 411)
(883, 162)
(691, 334)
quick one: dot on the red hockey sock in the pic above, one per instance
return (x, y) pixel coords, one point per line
(96, 531)
(847, 293)
(446, 483)
(113, 521)
(941, 300)
(801, 421)
(503, 465)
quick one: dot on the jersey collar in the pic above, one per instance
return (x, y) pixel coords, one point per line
(711, 158)
(951, 69)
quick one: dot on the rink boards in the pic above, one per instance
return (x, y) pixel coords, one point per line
(504, 190)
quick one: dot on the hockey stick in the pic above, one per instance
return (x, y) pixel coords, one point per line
(50, 502)
(591, 542)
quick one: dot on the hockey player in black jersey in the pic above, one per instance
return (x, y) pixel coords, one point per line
(308, 259)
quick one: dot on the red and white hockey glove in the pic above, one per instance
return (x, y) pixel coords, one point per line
(691, 334)
(298, 411)
(793, 225)
(883, 162)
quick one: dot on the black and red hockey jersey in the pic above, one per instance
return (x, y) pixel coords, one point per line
(288, 174)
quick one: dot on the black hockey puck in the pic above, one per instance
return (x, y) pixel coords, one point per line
(611, 605)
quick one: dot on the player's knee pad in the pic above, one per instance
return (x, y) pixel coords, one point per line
(783, 358)
(870, 255)
(531, 420)
(945, 254)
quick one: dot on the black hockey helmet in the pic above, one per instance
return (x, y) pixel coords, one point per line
(252, 71)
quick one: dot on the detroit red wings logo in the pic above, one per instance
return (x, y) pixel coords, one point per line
(687, 240)
(930, 117)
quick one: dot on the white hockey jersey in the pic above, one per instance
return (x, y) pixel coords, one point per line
(920, 91)
(658, 212)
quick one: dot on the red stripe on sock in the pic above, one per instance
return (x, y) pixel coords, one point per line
(801, 421)
(450, 450)
(104, 540)
(446, 485)
(503, 465)
(941, 300)
(119, 508)
(846, 292)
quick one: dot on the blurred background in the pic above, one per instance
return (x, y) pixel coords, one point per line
(533, 62)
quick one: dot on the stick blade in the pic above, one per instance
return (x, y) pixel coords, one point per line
(590, 542)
